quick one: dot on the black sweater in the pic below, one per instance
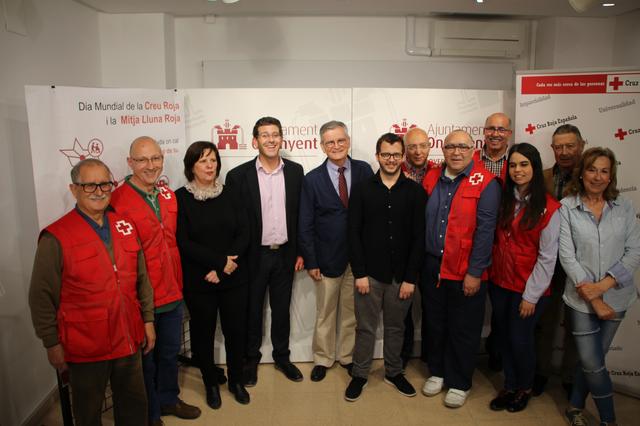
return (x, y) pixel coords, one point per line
(386, 229)
(209, 231)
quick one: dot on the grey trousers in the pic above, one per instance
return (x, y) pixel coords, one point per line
(383, 298)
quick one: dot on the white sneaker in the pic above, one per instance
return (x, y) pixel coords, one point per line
(432, 386)
(455, 398)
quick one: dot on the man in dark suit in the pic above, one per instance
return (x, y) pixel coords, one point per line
(270, 189)
(323, 245)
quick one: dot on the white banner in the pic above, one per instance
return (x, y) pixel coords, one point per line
(67, 124)
(605, 106)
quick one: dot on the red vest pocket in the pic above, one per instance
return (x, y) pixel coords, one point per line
(85, 332)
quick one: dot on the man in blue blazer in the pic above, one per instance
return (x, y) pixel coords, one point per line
(322, 239)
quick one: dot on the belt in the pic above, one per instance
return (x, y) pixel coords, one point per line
(273, 247)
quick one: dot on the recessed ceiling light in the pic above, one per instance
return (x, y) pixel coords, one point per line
(608, 4)
(479, 1)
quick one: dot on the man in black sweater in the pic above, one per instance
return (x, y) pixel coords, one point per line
(386, 237)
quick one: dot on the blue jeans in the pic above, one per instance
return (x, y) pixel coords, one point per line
(160, 366)
(514, 336)
(593, 337)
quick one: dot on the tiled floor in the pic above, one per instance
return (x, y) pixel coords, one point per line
(278, 401)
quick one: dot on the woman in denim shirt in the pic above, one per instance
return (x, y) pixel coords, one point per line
(599, 251)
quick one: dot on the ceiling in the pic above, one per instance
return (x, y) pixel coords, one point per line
(512, 8)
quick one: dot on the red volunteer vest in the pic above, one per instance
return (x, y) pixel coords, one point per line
(458, 240)
(158, 239)
(99, 315)
(477, 159)
(515, 251)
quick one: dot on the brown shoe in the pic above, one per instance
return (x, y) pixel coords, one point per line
(181, 410)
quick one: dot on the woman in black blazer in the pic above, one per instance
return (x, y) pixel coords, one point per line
(213, 240)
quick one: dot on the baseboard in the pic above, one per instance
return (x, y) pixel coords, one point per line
(35, 419)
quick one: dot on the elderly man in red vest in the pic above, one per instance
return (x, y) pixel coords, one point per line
(89, 297)
(461, 216)
(153, 209)
(493, 155)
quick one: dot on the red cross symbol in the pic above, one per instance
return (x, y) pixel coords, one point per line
(165, 193)
(615, 83)
(476, 178)
(620, 134)
(124, 227)
(530, 129)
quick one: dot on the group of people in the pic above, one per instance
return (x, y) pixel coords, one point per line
(107, 297)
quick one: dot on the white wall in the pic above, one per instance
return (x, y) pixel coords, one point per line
(626, 46)
(137, 50)
(252, 41)
(60, 48)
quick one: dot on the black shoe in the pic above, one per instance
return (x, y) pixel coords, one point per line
(318, 373)
(289, 370)
(502, 401)
(401, 384)
(568, 387)
(354, 390)
(240, 393)
(222, 379)
(251, 375)
(539, 383)
(495, 362)
(347, 367)
(213, 397)
(520, 402)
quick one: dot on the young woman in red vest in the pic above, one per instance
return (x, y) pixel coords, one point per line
(524, 257)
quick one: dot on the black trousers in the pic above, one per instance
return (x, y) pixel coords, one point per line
(453, 326)
(276, 275)
(204, 307)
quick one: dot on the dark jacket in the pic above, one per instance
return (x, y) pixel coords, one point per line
(323, 220)
(244, 180)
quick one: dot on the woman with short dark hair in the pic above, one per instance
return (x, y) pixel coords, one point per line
(599, 251)
(524, 257)
(213, 240)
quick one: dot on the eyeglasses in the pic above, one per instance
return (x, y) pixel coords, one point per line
(415, 147)
(333, 144)
(156, 159)
(499, 130)
(460, 147)
(269, 135)
(388, 155)
(90, 188)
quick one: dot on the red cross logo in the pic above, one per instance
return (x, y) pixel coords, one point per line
(476, 178)
(615, 83)
(530, 129)
(620, 134)
(124, 227)
(166, 194)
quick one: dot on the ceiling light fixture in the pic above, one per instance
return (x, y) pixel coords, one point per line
(608, 4)
(581, 5)
(225, 1)
(479, 1)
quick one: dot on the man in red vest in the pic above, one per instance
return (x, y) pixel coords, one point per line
(153, 209)
(89, 297)
(461, 216)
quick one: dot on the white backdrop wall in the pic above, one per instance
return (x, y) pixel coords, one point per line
(50, 53)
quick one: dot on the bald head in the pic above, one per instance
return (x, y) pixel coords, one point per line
(497, 131)
(146, 162)
(416, 145)
(142, 141)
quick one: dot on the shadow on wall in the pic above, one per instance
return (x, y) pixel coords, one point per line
(26, 377)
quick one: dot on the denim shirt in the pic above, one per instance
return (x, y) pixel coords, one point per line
(590, 250)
